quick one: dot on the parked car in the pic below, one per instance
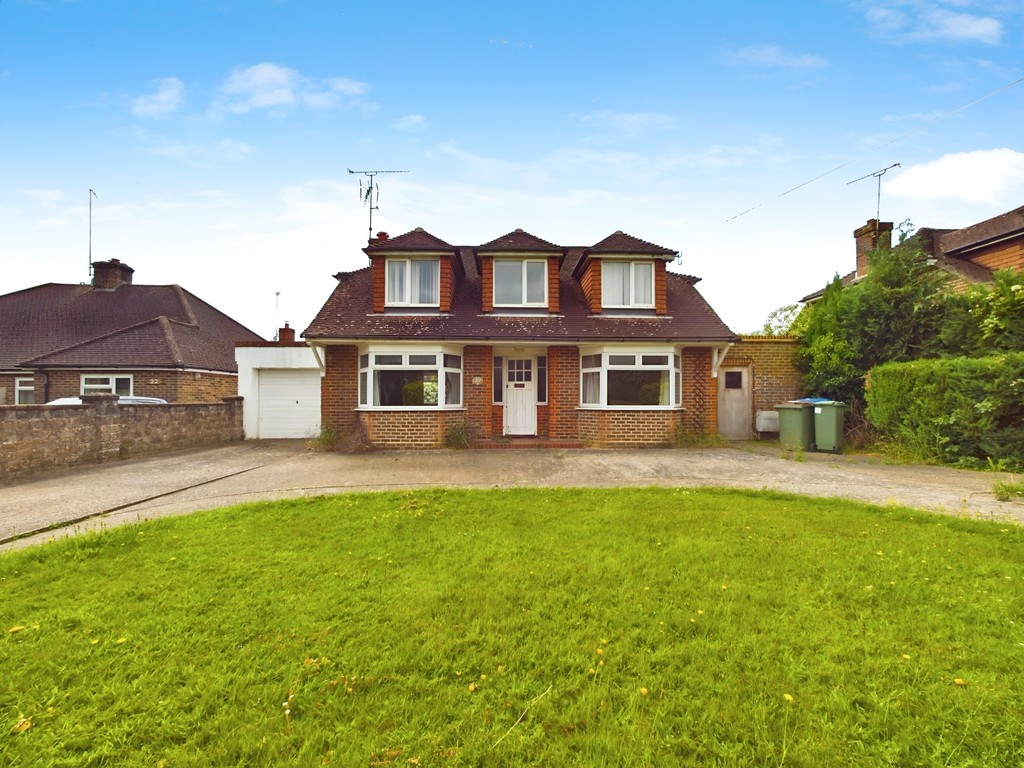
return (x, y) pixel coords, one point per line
(121, 400)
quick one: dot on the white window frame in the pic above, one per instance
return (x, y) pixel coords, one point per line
(449, 364)
(524, 266)
(634, 266)
(109, 386)
(24, 384)
(611, 358)
(405, 300)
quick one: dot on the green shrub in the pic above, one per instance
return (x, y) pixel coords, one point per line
(965, 411)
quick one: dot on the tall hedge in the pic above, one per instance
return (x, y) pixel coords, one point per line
(963, 411)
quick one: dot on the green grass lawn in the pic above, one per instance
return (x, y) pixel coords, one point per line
(522, 627)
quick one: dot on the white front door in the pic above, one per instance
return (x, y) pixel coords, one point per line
(734, 405)
(520, 397)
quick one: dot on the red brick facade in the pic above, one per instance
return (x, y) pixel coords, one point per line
(560, 420)
(773, 374)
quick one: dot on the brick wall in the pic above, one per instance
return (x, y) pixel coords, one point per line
(554, 297)
(379, 268)
(487, 283)
(406, 429)
(773, 376)
(477, 398)
(628, 429)
(339, 389)
(700, 392)
(591, 283)
(563, 392)
(1002, 256)
(37, 437)
(660, 288)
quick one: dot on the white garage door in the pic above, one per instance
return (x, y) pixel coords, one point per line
(289, 403)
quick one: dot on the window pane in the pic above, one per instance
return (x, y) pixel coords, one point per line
(96, 381)
(497, 381)
(425, 282)
(734, 379)
(364, 361)
(654, 360)
(453, 361)
(362, 387)
(508, 282)
(422, 359)
(621, 359)
(591, 361)
(452, 388)
(679, 388)
(643, 283)
(387, 359)
(122, 385)
(637, 387)
(615, 284)
(536, 278)
(396, 282)
(406, 387)
(592, 388)
(542, 379)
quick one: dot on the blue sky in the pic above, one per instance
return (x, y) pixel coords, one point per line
(217, 135)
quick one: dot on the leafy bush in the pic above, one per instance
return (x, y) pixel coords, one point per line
(962, 411)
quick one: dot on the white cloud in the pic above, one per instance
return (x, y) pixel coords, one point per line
(982, 176)
(47, 198)
(629, 123)
(269, 86)
(922, 21)
(161, 104)
(769, 56)
(259, 87)
(410, 123)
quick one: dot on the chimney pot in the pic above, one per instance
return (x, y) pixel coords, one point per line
(286, 335)
(108, 275)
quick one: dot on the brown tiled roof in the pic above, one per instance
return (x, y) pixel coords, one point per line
(1009, 223)
(348, 314)
(416, 240)
(620, 242)
(162, 326)
(519, 241)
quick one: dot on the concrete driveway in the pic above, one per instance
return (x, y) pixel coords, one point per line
(70, 501)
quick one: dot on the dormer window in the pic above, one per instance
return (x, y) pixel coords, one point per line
(627, 284)
(413, 282)
(520, 283)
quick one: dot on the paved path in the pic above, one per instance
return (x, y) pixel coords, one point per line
(70, 501)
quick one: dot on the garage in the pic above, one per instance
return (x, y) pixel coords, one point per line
(280, 387)
(289, 403)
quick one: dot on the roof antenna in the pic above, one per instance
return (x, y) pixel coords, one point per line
(878, 175)
(92, 194)
(371, 193)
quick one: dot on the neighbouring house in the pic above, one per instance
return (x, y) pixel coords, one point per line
(279, 382)
(112, 336)
(966, 256)
(518, 338)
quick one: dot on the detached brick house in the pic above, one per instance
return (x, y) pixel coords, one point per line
(520, 338)
(966, 256)
(112, 336)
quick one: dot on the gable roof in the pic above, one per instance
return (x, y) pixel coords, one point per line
(519, 241)
(415, 240)
(348, 313)
(152, 326)
(620, 242)
(988, 232)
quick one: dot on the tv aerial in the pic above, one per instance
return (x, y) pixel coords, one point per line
(878, 175)
(370, 193)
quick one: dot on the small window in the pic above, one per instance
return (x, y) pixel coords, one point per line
(734, 379)
(24, 391)
(520, 283)
(413, 282)
(498, 380)
(114, 385)
(542, 379)
(627, 284)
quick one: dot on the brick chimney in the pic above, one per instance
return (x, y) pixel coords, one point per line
(108, 275)
(286, 335)
(874, 234)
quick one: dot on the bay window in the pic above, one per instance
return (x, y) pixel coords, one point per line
(627, 284)
(413, 282)
(621, 378)
(410, 379)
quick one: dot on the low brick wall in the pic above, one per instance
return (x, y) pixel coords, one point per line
(601, 428)
(406, 429)
(38, 437)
